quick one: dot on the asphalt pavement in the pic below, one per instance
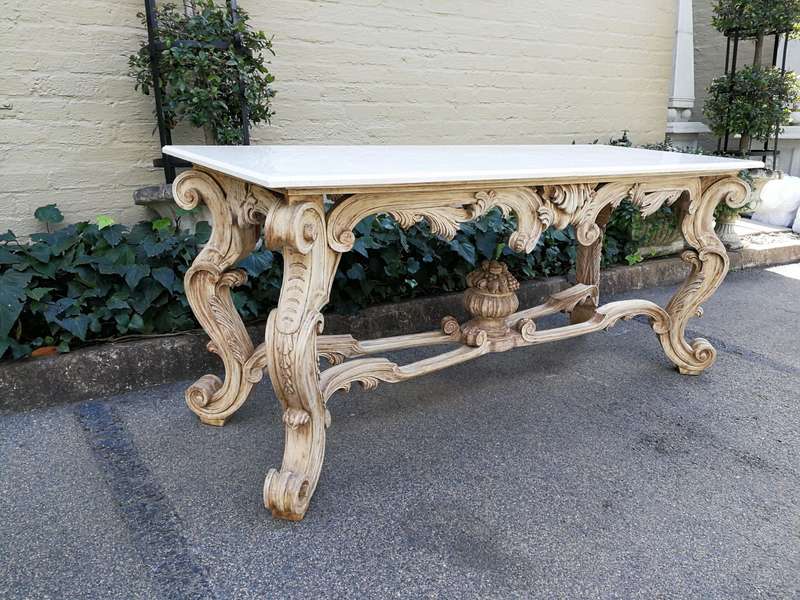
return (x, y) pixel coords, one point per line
(586, 468)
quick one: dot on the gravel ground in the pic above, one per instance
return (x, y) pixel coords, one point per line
(581, 469)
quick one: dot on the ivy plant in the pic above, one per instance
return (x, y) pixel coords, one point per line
(202, 72)
(88, 282)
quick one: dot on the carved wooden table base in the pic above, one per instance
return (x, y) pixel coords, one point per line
(312, 240)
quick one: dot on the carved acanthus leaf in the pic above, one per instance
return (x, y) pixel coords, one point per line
(650, 201)
(230, 331)
(443, 221)
(564, 204)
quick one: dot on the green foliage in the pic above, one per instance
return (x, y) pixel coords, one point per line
(48, 214)
(634, 259)
(94, 281)
(104, 221)
(752, 102)
(201, 81)
(756, 17)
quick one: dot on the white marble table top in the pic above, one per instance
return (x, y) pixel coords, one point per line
(302, 167)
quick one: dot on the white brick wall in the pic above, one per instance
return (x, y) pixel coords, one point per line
(73, 130)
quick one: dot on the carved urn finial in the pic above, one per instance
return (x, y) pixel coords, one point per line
(489, 299)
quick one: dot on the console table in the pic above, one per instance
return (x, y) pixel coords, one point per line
(279, 192)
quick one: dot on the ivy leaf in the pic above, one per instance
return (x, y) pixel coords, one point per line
(40, 251)
(486, 243)
(61, 240)
(38, 293)
(104, 221)
(113, 234)
(134, 274)
(7, 257)
(356, 272)
(77, 326)
(59, 306)
(559, 235)
(465, 250)
(360, 246)
(154, 247)
(145, 295)
(202, 232)
(12, 298)
(136, 323)
(257, 263)
(116, 303)
(122, 320)
(165, 276)
(161, 224)
(48, 214)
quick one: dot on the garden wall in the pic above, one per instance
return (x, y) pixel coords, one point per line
(74, 131)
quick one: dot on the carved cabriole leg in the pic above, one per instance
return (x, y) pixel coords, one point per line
(587, 269)
(298, 231)
(237, 210)
(709, 265)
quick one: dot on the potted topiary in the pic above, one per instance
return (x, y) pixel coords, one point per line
(212, 74)
(756, 101)
(752, 102)
(204, 75)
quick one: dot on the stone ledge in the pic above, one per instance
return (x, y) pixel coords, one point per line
(154, 193)
(117, 367)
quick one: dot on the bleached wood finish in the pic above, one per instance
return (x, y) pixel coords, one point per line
(311, 242)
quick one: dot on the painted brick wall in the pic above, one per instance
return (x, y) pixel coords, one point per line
(73, 130)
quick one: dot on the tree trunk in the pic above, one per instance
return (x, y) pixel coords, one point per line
(759, 50)
(744, 144)
(746, 140)
(208, 136)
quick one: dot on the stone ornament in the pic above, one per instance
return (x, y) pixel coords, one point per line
(312, 240)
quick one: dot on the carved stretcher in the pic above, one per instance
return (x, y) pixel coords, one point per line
(278, 191)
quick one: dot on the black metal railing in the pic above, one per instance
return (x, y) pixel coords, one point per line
(734, 38)
(156, 46)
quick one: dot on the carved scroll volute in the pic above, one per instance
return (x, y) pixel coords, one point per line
(297, 230)
(525, 203)
(235, 211)
(587, 230)
(709, 265)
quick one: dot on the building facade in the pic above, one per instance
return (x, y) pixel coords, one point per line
(74, 132)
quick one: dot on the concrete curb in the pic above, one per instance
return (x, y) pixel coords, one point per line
(119, 367)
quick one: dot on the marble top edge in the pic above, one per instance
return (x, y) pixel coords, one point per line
(315, 166)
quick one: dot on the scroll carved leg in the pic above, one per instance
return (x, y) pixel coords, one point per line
(587, 269)
(298, 231)
(709, 265)
(236, 211)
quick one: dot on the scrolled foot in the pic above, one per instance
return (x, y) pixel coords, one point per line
(703, 355)
(286, 494)
(200, 393)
